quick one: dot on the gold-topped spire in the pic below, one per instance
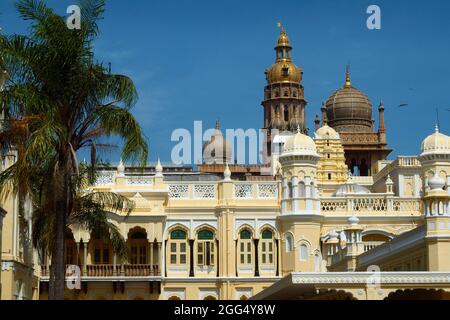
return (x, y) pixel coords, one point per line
(348, 82)
(283, 40)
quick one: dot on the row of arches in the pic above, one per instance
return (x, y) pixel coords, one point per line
(251, 250)
(96, 256)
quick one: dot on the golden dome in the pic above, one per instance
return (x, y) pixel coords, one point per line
(300, 144)
(283, 70)
(283, 40)
(217, 149)
(349, 110)
(327, 132)
(437, 143)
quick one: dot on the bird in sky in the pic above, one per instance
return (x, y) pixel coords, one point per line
(402, 105)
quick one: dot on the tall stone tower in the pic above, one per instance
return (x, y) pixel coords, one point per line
(284, 102)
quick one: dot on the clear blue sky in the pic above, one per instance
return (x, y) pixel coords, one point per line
(203, 59)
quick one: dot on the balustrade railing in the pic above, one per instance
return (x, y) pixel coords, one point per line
(259, 190)
(198, 191)
(369, 245)
(100, 270)
(110, 270)
(366, 204)
(208, 191)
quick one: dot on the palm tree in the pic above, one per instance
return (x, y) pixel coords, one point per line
(57, 100)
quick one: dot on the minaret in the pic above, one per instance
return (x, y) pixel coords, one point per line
(324, 114)
(381, 127)
(317, 122)
(284, 102)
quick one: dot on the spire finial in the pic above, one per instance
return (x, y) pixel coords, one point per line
(348, 82)
(159, 169)
(227, 172)
(279, 25)
(436, 128)
(298, 129)
(217, 124)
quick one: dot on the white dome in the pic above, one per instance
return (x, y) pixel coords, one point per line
(300, 144)
(353, 220)
(217, 149)
(357, 189)
(436, 183)
(333, 235)
(326, 132)
(437, 143)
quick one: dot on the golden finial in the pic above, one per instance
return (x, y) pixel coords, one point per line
(279, 25)
(348, 82)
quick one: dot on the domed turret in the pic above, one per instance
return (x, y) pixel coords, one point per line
(349, 110)
(300, 144)
(283, 70)
(327, 132)
(284, 102)
(437, 143)
(217, 150)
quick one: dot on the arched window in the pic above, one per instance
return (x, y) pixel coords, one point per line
(210, 298)
(205, 248)
(289, 242)
(267, 247)
(100, 249)
(174, 298)
(301, 189)
(138, 245)
(243, 297)
(178, 247)
(245, 247)
(303, 252)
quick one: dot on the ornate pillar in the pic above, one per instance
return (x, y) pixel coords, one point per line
(151, 255)
(85, 254)
(285, 195)
(160, 261)
(115, 264)
(295, 195)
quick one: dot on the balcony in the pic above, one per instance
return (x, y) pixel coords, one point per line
(111, 270)
(371, 204)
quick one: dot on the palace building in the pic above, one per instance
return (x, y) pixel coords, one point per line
(335, 220)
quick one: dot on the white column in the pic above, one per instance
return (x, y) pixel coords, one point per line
(308, 193)
(295, 195)
(85, 253)
(417, 185)
(161, 257)
(400, 188)
(448, 185)
(285, 195)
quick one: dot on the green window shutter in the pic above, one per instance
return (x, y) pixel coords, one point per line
(178, 235)
(245, 234)
(267, 234)
(205, 235)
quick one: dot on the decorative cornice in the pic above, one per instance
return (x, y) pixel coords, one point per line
(367, 277)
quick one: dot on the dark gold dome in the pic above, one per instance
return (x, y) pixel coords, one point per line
(349, 110)
(283, 70)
